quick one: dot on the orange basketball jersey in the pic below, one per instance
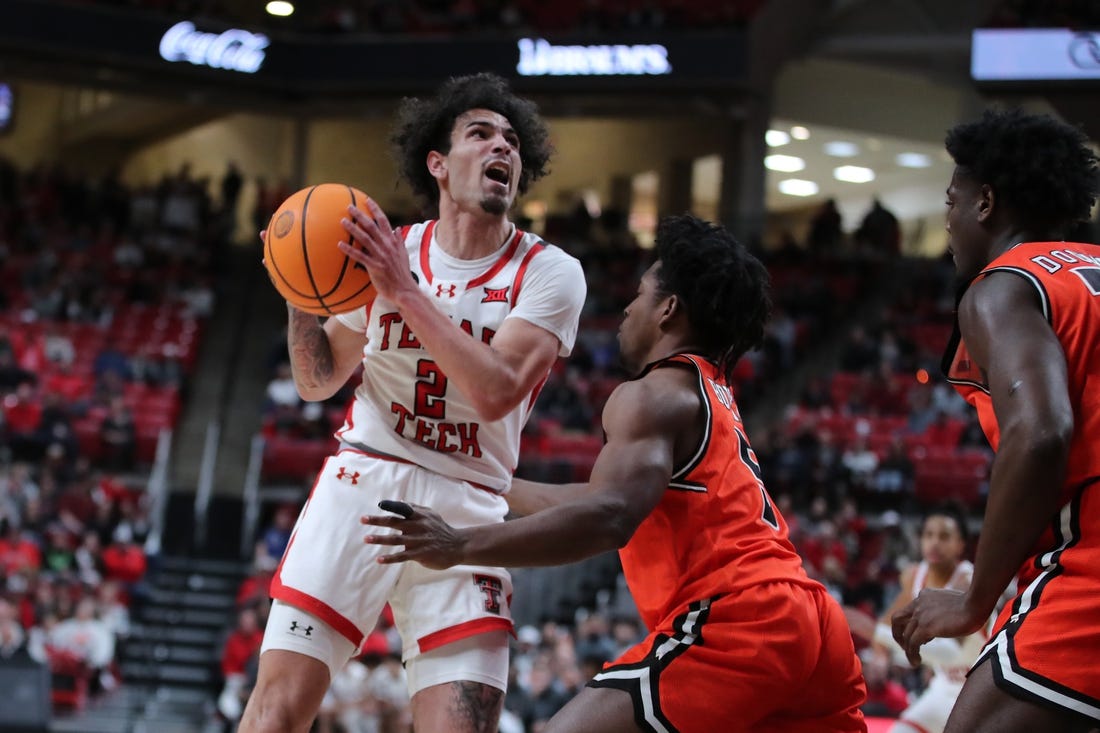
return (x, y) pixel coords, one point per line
(716, 530)
(1066, 277)
(1046, 640)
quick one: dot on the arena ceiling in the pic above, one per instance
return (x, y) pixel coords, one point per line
(926, 38)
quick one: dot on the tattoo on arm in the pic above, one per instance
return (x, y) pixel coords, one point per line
(475, 707)
(310, 352)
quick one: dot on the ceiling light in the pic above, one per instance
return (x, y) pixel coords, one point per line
(775, 138)
(798, 132)
(841, 149)
(280, 7)
(853, 174)
(797, 187)
(784, 163)
(913, 160)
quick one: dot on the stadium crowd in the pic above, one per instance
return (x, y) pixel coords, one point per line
(105, 289)
(852, 463)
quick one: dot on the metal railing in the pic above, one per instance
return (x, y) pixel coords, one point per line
(205, 488)
(156, 489)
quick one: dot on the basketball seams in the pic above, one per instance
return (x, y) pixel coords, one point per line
(305, 253)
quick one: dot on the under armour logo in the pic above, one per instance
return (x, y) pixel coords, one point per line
(449, 291)
(492, 588)
(345, 475)
(495, 295)
(294, 626)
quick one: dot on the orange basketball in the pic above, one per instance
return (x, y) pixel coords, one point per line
(301, 255)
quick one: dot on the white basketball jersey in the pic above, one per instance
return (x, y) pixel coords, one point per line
(406, 407)
(970, 645)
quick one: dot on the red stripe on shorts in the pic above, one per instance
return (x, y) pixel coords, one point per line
(318, 608)
(464, 630)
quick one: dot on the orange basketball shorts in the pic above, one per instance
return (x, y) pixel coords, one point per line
(1046, 642)
(777, 657)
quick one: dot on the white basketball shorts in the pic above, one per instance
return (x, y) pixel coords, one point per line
(331, 573)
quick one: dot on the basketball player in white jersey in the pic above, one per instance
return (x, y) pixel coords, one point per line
(942, 544)
(453, 357)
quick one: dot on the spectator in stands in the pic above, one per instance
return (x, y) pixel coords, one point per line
(943, 431)
(19, 553)
(17, 489)
(22, 414)
(879, 232)
(886, 697)
(254, 588)
(972, 435)
(860, 352)
(922, 413)
(13, 640)
(593, 639)
(283, 402)
(198, 297)
(125, 561)
(388, 687)
(88, 639)
(545, 698)
(780, 337)
(858, 458)
(563, 401)
(625, 633)
(346, 702)
(88, 560)
(113, 611)
(231, 185)
(58, 347)
(242, 645)
(273, 543)
(111, 359)
(55, 427)
(57, 555)
(895, 472)
(74, 388)
(826, 234)
(815, 395)
(118, 437)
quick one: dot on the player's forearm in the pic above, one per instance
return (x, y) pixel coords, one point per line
(563, 534)
(527, 497)
(311, 360)
(491, 386)
(1023, 499)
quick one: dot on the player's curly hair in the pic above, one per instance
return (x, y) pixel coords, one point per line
(1041, 168)
(725, 289)
(424, 125)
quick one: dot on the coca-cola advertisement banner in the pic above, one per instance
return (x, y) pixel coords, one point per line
(207, 52)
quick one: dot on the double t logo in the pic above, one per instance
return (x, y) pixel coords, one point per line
(492, 588)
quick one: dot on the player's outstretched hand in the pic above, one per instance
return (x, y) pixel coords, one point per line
(423, 534)
(935, 613)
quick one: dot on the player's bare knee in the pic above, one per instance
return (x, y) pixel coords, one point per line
(268, 714)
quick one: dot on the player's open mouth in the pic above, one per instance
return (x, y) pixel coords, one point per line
(498, 173)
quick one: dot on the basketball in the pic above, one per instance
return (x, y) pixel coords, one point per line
(301, 256)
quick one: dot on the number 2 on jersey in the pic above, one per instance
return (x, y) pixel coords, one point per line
(748, 457)
(431, 388)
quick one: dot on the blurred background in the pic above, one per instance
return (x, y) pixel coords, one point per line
(154, 452)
